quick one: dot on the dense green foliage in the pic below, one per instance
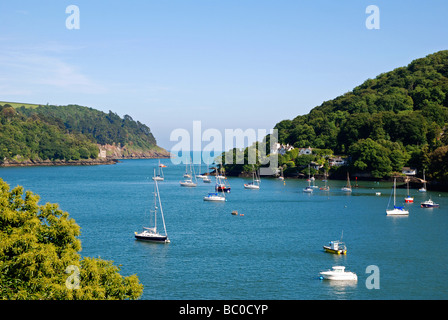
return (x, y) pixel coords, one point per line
(102, 128)
(399, 118)
(39, 252)
(66, 133)
(37, 137)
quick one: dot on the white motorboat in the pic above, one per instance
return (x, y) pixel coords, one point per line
(339, 273)
(214, 196)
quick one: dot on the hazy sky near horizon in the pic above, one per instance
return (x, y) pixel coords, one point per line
(228, 63)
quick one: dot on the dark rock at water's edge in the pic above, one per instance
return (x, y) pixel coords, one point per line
(83, 162)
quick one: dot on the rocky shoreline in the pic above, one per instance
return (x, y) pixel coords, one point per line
(47, 163)
(83, 162)
(108, 154)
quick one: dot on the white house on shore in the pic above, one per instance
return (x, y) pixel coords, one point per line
(337, 161)
(409, 171)
(305, 151)
(279, 148)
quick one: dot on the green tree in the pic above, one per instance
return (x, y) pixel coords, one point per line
(37, 245)
(438, 168)
(370, 156)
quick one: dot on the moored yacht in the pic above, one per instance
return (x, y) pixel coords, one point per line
(339, 273)
(429, 204)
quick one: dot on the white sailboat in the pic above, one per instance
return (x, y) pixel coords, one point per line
(200, 175)
(187, 173)
(397, 210)
(281, 177)
(215, 196)
(255, 184)
(308, 189)
(188, 182)
(151, 234)
(159, 176)
(348, 187)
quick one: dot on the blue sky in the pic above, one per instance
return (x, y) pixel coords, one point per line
(229, 63)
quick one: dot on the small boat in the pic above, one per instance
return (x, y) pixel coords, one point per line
(251, 185)
(152, 234)
(200, 175)
(214, 196)
(206, 179)
(188, 183)
(326, 187)
(255, 184)
(221, 186)
(429, 204)
(378, 193)
(338, 273)
(397, 210)
(235, 212)
(281, 177)
(159, 176)
(348, 187)
(337, 247)
(408, 198)
(308, 189)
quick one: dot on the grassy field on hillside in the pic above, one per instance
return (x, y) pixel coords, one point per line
(19, 104)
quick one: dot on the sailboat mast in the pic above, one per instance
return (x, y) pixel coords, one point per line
(155, 202)
(160, 205)
(395, 181)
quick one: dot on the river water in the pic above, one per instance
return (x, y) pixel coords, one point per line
(272, 250)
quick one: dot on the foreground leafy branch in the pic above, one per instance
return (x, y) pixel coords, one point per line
(39, 252)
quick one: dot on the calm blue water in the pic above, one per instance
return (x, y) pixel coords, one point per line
(272, 252)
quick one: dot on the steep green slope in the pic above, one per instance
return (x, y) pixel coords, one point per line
(34, 138)
(101, 127)
(399, 118)
(71, 133)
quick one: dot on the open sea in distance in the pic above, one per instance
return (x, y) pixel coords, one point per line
(271, 252)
